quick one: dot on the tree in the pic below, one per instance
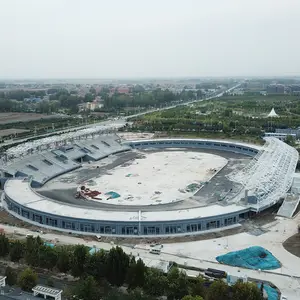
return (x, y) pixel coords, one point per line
(138, 294)
(87, 289)
(16, 251)
(63, 263)
(48, 257)
(96, 265)
(197, 287)
(79, 260)
(27, 279)
(155, 283)
(4, 245)
(11, 276)
(177, 284)
(290, 140)
(189, 297)
(117, 265)
(246, 291)
(33, 250)
(136, 274)
(218, 290)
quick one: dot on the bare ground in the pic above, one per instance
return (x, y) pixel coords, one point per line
(292, 244)
(6, 118)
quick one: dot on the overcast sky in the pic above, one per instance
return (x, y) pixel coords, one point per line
(148, 38)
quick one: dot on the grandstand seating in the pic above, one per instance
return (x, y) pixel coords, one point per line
(43, 166)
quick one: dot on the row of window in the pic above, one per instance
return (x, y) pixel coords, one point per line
(195, 143)
(125, 230)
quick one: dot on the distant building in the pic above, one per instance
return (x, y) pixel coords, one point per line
(280, 136)
(90, 105)
(289, 131)
(275, 89)
(123, 90)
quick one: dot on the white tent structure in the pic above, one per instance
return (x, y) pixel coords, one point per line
(272, 114)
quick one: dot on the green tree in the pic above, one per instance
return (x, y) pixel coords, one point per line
(32, 247)
(48, 257)
(16, 251)
(136, 274)
(96, 265)
(87, 289)
(138, 294)
(79, 260)
(218, 290)
(197, 287)
(11, 276)
(155, 283)
(178, 284)
(27, 279)
(290, 140)
(246, 291)
(4, 245)
(117, 266)
(63, 263)
(189, 297)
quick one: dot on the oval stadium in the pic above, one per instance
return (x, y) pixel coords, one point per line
(94, 182)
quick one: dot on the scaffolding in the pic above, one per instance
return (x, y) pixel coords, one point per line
(269, 176)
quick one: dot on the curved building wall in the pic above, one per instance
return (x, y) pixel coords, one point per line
(250, 150)
(119, 228)
(139, 226)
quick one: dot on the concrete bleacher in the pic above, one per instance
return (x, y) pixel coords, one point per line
(46, 165)
(289, 206)
(42, 167)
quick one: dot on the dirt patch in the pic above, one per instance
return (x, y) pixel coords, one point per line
(12, 131)
(292, 244)
(6, 118)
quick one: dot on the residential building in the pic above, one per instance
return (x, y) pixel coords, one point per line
(275, 89)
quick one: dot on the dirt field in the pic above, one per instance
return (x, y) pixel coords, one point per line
(6, 118)
(292, 244)
(12, 131)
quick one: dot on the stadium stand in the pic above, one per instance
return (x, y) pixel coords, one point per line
(45, 165)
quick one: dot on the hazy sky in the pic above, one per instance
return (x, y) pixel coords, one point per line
(148, 38)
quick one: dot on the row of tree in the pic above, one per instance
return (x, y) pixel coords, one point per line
(228, 115)
(62, 99)
(114, 269)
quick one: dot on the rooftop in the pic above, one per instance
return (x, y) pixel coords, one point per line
(46, 290)
(20, 191)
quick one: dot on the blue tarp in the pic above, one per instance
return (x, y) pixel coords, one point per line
(271, 292)
(252, 258)
(49, 244)
(113, 195)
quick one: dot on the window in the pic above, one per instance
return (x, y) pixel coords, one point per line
(106, 144)
(95, 147)
(51, 222)
(47, 162)
(32, 167)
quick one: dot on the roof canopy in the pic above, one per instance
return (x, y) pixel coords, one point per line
(272, 113)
